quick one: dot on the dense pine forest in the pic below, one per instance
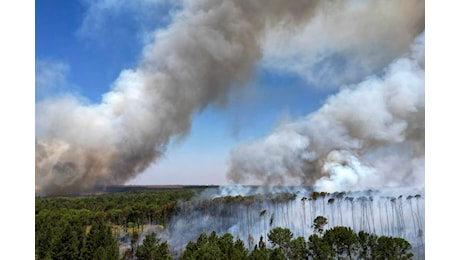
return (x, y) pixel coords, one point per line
(63, 225)
(137, 225)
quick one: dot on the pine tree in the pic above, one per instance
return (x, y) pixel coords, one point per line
(100, 243)
(151, 248)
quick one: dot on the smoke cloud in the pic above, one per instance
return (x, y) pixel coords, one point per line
(369, 134)
(210, 48)
(346, 41)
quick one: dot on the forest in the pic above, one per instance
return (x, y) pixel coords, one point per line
(143, 225)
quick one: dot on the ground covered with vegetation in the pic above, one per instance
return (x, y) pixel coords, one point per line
(87, 228)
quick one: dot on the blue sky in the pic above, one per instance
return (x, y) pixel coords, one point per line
(82, 46)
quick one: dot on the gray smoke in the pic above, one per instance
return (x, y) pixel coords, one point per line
(368, 135)
(396, 212)
(209, 48)
(345, 41)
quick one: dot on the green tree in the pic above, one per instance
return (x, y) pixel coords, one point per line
(189, 251)
(298, 249)
(43, 237)
(280, 237)
(209, 251)
(232, 250)
(343, 243)
(153, 248)
(285, 245)
(318, 249)
(318, 224)
(277, 254)
(100, 243)
(260, 251)
(393, 248)
(343, 240)
(202, 249)
(367, 245)
(213, 247)
(225, 243)
(239, 251)
(64, 244)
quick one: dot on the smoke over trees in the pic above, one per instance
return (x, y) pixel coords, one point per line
(213, 47)
(370, 134)
(261, 222)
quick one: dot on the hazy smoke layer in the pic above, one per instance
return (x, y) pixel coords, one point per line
(210, 48)
(367, 135)
(395, 212)
(346, 41)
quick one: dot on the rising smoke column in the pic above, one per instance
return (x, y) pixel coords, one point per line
(209, 48)
(368, 135)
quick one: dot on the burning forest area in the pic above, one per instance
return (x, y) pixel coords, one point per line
(325, 102)
(178, 216)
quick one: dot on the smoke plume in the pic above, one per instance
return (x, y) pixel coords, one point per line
(346, 41)
(209, 48)
(368, 135)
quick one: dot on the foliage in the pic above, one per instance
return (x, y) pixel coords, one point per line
(318, 224)
(82, 228)
(336, 243)
(367, 245)
(64, 244)
(152, 248)
(124, 209)
(319, 249)
(260, 251)
(343, 243)
(280, 237)
(100, 243)
(214, 247)
(393, 248)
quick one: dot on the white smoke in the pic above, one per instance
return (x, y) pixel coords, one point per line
(210, 48)
(396, 212)
(367, 135)
(345, 42)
